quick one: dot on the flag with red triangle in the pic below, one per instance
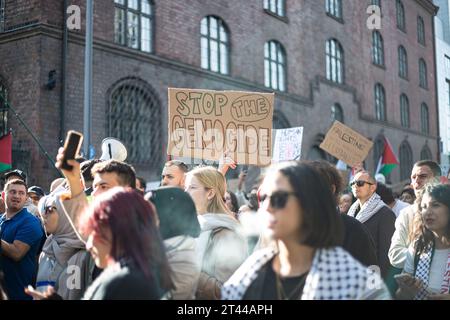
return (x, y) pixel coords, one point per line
(388, 161)
(5, 152)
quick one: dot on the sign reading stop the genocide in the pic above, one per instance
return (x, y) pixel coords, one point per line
(203, 124)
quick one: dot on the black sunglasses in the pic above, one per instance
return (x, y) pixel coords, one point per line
(278, 199)
(359, 183)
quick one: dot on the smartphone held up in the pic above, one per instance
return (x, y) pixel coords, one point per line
(72, 147)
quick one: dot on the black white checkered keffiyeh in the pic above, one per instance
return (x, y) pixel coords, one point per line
(369, 208)
(334, 275)
(423, 272)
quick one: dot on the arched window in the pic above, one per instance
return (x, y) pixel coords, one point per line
(376, 3)
(401, 23)
(3, 109)
(402, 62)
(335, 61)
(334, 8)
(420, 30)
(2, 15)
(406, 160)
(337, 113)
(404, 111)
(214, 45)
(134, 117)
(424, 119)
(133, 24)
(380, 102)
(423, 79)
(425, 154)
(276, 6)
(274, 66)
(377, 48)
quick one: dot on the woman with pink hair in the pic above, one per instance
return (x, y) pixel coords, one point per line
(123, 239)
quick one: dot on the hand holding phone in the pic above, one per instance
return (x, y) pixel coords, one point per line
(72, 147)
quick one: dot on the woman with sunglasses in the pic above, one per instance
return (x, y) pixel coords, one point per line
(62, 253)
(123, 239)
(426, 274)
(221, 246)
(306, 261)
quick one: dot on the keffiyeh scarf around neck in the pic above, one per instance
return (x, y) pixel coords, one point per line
(369, 208)
(422, 272)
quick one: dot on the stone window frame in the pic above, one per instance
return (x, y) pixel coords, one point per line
(424, 118)
(218, 37)
(377, 48)
(335, 61)
(275, 66)
(275, 7)
(380, 102)
(404, 111)
(122, 34)
(402, 62)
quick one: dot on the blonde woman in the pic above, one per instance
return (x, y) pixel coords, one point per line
(221, 246)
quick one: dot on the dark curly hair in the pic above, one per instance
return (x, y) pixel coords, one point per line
(424, 236)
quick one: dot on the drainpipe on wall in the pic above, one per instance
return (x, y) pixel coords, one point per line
(63, 76)
(436, 85)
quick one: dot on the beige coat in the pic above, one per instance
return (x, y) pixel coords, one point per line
(185, 267)
(400, 239)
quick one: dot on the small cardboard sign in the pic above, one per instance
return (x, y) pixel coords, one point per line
(346, 144)
(288, 144)
(203, 124)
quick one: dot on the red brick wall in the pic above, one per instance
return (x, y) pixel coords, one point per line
(25, 64)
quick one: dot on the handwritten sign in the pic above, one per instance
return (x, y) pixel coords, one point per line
(346, 144)
(288, 144)
(204, 124)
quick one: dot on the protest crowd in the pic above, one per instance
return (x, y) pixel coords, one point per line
(302, 232)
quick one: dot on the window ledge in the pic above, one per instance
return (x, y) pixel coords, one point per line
(277, 90)
(338, 19)
(402, 30)
(424, 88)
(381, 66)
(336, 84)
(276, 16)
(404, 78)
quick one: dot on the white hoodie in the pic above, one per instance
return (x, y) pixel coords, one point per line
(226, 251)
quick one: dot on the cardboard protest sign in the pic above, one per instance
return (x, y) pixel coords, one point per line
(346, 144)
(288, 144)
(205, 123)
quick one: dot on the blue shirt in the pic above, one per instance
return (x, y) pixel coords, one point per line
(27, 228)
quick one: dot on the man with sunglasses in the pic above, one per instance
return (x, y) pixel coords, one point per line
(423, 172)
(376, 216)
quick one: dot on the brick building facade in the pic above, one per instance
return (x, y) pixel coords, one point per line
(31, 46)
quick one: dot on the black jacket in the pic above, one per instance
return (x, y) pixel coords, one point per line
(381, 227)
(358, 241)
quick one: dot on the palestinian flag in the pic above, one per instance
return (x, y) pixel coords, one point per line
(5, 152)
(388, 161)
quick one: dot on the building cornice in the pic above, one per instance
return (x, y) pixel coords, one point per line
(107, 46)
(429, 6)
